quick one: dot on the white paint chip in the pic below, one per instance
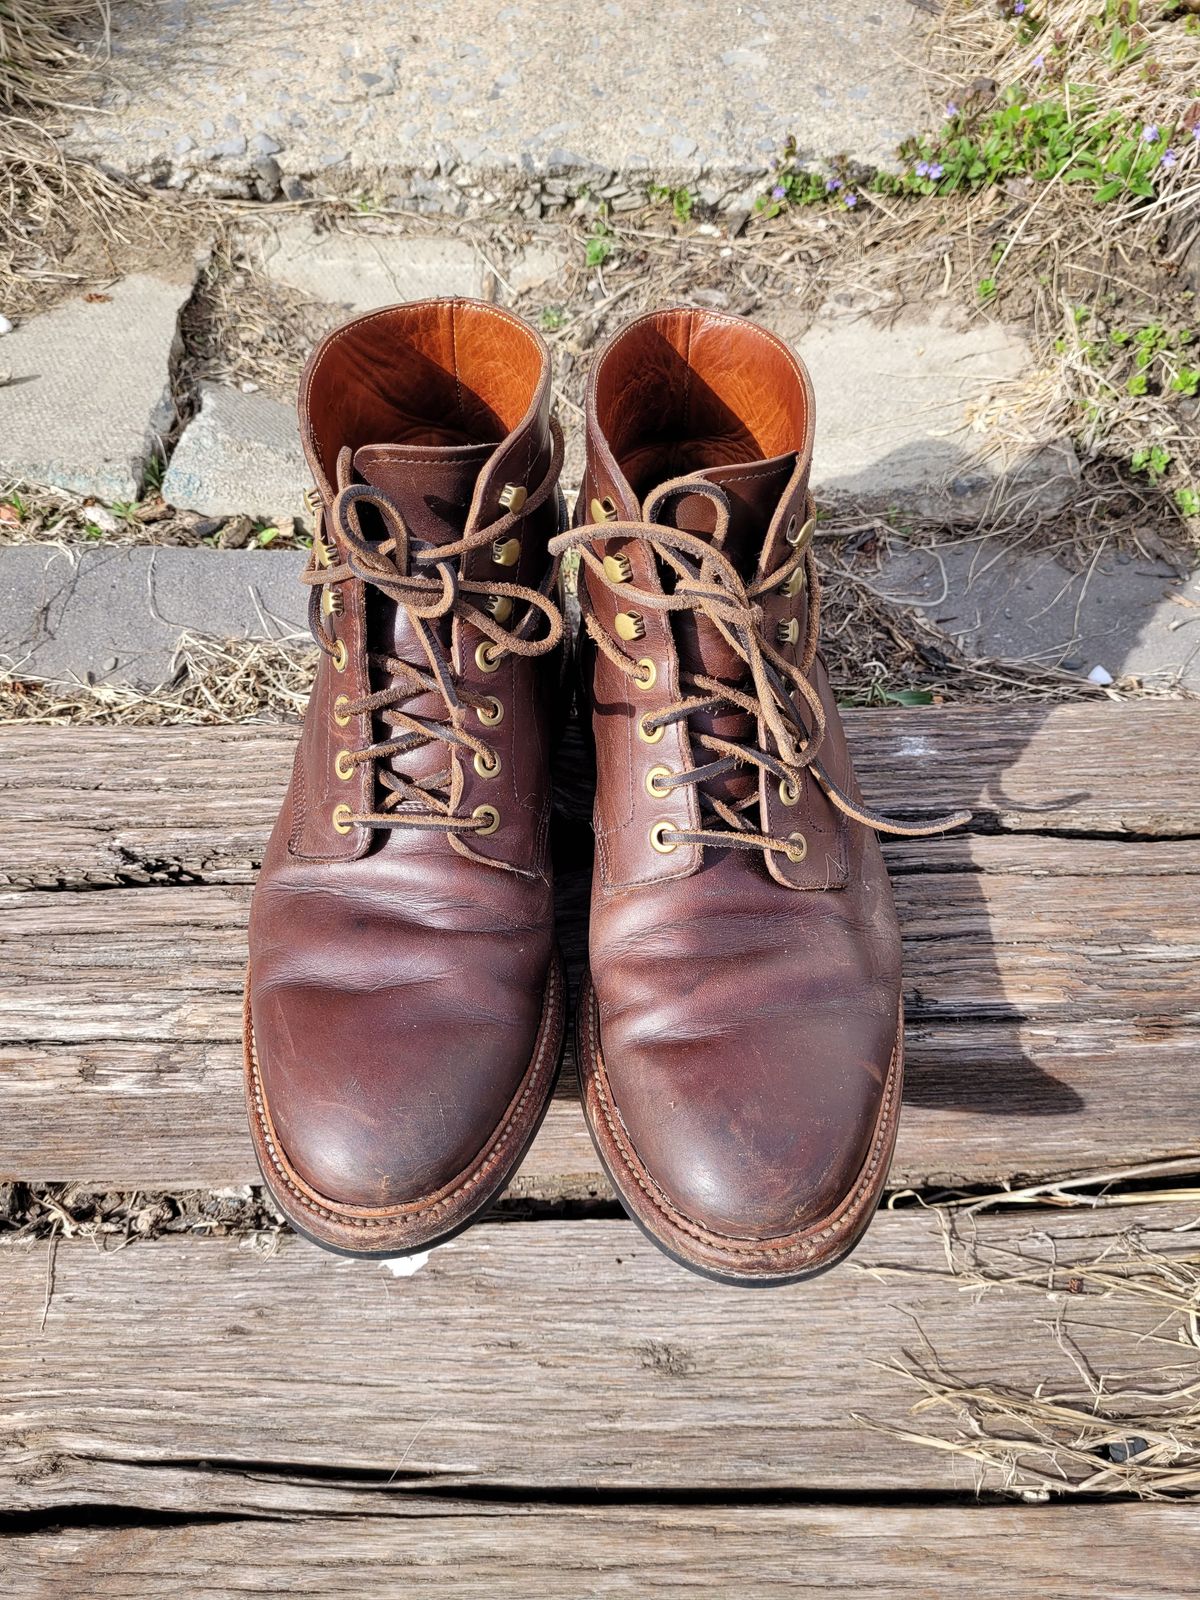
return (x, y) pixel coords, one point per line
(405, 1266)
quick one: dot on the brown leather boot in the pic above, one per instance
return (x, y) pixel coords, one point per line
(405, 998)
(740, 1038)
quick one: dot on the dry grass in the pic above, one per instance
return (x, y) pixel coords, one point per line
(212, 681)
(39, 65)
(242, 329)
(113, 1219)
(1104, 1433)
(64, 223)
(38, 58)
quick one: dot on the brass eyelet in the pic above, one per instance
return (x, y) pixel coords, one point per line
(343, 765)
(484, 767)
(340, 655)
(342, 718)
(798, 849)
(654, 778)
(647, 675)
(649, 735)
(487, 656)
(603, 510)
(513, 496)
(789, 792)
(341, 819)
(657, 842)
(490, 714)
(491, 822)
(506, 552)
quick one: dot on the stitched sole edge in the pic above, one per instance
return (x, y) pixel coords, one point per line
(746, 1262)
(418, 1224)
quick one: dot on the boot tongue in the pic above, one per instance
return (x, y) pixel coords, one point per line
(753, 493)
(433, 486)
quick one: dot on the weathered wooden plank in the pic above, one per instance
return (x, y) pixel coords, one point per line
(569, 1356)
(999, 1103)
(1050, 1030)
(167, 963)
(459, 1552)
(130, 805)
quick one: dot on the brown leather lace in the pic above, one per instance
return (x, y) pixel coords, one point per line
(706, 582)
(426, 580)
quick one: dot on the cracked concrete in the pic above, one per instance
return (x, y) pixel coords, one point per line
(239, 455)
(1124, 614)
(117, 613)
(903, 418)
(90, 394)
(363, 271)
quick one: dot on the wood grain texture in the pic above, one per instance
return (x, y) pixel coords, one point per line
(1052, 995)
(529, 1355)
(138, 805)
(461, 1552)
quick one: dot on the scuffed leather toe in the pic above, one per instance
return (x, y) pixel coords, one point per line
(798, 1117)
(438, 1086)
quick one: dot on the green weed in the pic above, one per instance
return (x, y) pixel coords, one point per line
(601, 244)
(681, 200)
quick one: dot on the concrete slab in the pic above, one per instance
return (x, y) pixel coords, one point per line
(897, 417)
(240, 454)
(449, 103)
(362, 271)
(118, 613)
(90, 392)
(1129, 616)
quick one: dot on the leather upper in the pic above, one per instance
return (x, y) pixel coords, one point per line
(397, 966)
(748, 1002)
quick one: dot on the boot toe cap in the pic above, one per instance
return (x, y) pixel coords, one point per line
(758, 1140)
(376, 1110)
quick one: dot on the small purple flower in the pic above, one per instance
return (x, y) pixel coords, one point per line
(832, 185)
(1019, 8)
(922, 169)
(1196, 131)
(1039, 62)
(935, 170)
(951, 109)
(851, 200)
(778, 192)
(1149, 132)
(1168, 159)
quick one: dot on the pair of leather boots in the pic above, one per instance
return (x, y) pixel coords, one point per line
(739, 1034)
